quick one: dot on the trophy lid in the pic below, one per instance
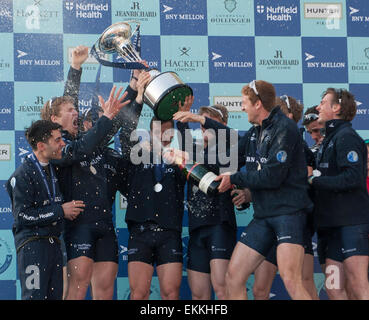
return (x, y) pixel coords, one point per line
(117, 34)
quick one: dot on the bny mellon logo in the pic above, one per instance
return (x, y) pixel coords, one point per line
(167, 8)
(215, 56)
(353, 11)
(308, 56)
(21, 54)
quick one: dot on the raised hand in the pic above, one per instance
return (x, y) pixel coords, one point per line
(187, 116)
(136, 74)
(114, 104)
(143, 80)
(79, 56)
(187, 104)
(72, 209)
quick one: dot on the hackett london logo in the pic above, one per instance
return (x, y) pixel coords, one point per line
(137, 11)
(278, 62)
(182, 64)
(35, 14)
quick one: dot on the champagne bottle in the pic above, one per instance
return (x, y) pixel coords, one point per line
(198, 175)
(244, 205)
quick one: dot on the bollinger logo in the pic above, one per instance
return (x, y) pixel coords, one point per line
(230, 5)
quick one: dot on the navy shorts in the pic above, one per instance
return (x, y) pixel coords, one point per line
(64, 251)
(40, 267)
(208, 243)
(151, 244)
(308, 246)
(96, 241)
(262, 234)
(340, 243)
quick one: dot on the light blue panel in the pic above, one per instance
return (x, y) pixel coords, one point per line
(278, 59)
(187, 56)
(7, 256)
(146, 12)
(358, 60)
(326, 19)
(30, 98)
(229, 95)
(90, 67)
(231, 18)
(6, 57)
(37, 16)
(313, 92)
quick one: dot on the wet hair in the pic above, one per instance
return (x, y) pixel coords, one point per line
(217, 111)
(40, 131)
(52, 107)
(346, 100)
(292, 106)
(154, 118)
(266, 94)
(311, 114)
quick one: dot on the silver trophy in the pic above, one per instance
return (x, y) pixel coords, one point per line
(165, 89)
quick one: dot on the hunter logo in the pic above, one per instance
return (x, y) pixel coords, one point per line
(5, 152)
(230, 5)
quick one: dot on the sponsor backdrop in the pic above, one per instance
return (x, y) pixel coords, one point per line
(302, 46)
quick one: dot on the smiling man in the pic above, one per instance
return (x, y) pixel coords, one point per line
(276, 173)
(39, 213)
(341, 198)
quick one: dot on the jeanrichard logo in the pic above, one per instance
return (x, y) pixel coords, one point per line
(137, 11)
